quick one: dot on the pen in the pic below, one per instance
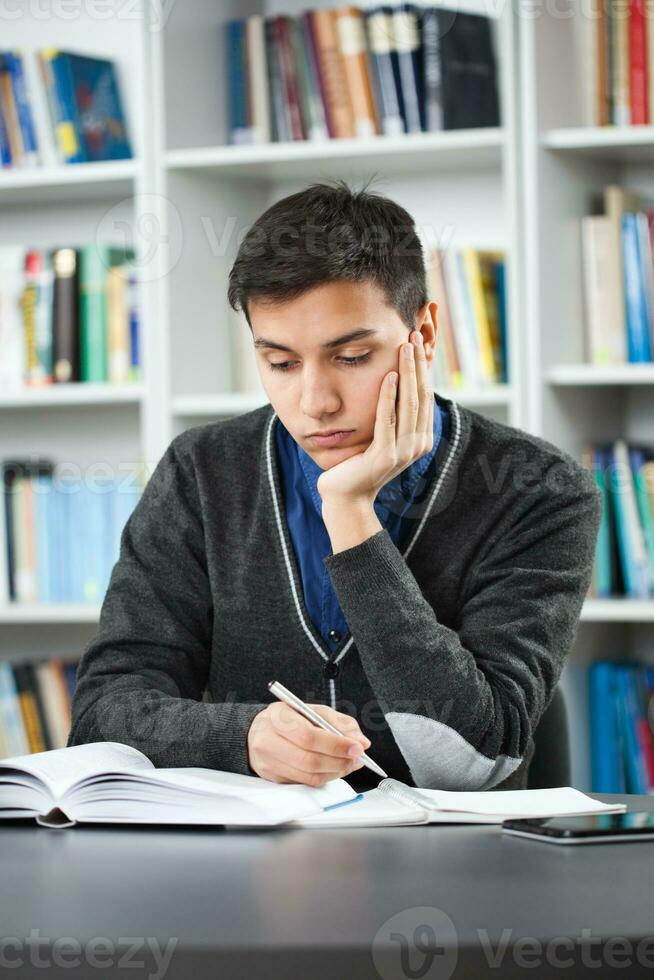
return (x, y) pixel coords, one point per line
(294, 701)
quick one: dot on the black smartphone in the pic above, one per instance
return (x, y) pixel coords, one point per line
(596, 829)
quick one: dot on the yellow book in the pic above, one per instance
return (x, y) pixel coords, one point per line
(476, 286)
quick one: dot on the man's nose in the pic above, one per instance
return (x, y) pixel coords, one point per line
(319, 394)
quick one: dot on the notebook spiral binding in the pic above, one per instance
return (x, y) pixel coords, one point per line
(400, 792)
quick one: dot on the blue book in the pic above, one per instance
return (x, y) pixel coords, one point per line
(500, 285)
(239, 131)
(42, 486)
(88, 90)
(635, 765)
(606, 759)
(5, 148)
(603, 565)
(409, 60)
(384, 70)
(63, 107)
(23, 108)
(638, 337)
(70, 674)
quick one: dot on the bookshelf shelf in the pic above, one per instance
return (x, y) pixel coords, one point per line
(62, 613)
(75, 394)
(74, 182)
(614, 375)
(475, 149)
(626, 143)
(618, 611)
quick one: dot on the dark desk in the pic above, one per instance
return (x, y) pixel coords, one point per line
(317, 904)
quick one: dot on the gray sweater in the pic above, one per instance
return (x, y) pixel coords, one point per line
(454, 646)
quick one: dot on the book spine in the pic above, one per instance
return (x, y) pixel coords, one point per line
(379, 25)
(280, 123)
(638, 94)
(23, 110)
(66, 131)
(118, 324)
(431, 71)
(256, 47)
(352, 41)
(605, 759)
(480, 318)
(332, 72)
(93, 269)
(28, 707)
(65, 316)
(407, 40)
(635, 301)
(9, 110)
(239, 130)
(317, 120)
(620, 65)
(289, 80)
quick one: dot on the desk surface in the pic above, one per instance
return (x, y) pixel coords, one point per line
(320, 903)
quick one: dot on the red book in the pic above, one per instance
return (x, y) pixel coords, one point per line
(289, 78)
(638, 63)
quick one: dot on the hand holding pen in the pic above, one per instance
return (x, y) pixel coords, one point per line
(285, 746)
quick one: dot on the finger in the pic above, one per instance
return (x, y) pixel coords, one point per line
(344, 722)
(408, 403)
(386, 417)
(283, 773)
(307, 761)
(303, 733)
(424, 395)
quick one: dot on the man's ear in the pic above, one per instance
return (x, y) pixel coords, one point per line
(427, 324)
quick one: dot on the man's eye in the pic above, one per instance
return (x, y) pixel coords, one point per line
(347, 361)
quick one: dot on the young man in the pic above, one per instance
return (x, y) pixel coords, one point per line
(418, 576)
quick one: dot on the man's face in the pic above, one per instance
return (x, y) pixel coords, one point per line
(319, 388)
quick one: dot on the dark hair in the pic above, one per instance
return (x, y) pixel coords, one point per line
(329, 232)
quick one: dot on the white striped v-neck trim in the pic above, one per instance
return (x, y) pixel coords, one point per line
(280, 521)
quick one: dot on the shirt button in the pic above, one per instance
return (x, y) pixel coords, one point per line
(331, 669)
(335, 636)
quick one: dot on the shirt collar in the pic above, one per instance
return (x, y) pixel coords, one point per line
(402, 485)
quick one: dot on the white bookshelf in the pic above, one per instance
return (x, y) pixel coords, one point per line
(565, 163)
(187, 197)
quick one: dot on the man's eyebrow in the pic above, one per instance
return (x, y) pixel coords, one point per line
(345, 339)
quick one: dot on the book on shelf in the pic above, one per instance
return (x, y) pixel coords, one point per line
(621, 700)
(35, 705)
(68, 315)
(616, 52)
(62, 534)
(347, 72)
(471, 346)
(108, 782)
(624, 551)
(618, 278)
(59, 107)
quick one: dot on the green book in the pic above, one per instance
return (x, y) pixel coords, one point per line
(94, 261)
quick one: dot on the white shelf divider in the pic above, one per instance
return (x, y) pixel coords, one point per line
(72, 394)
(612, 375)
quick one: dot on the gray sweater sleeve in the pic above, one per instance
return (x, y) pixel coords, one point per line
(141, 679)
(463, 704)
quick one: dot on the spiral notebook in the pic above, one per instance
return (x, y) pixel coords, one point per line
(393, 803)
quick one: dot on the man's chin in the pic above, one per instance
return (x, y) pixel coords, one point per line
(327, 457)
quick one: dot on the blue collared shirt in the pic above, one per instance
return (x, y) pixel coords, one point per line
(299, 476)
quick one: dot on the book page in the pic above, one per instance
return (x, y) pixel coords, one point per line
(61, 769)
(559, 801)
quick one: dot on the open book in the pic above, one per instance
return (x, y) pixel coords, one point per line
(393, 803)
(108, 782)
